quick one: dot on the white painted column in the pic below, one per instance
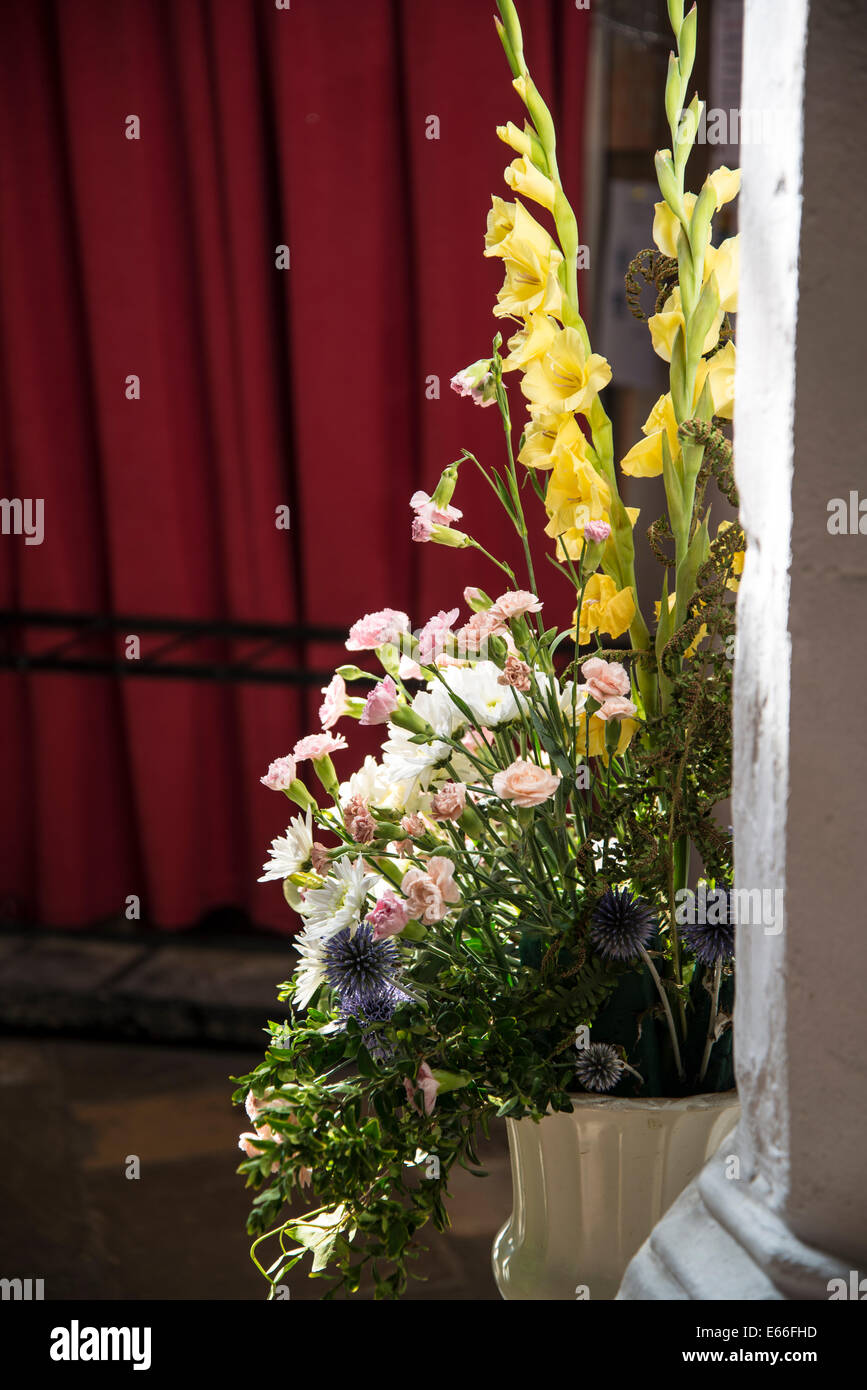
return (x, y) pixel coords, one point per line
(795, 1216)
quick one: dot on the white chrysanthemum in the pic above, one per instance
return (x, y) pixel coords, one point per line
(370, 782)
(340, 900)
(310, 970)
(290, 852)
(409, 768)
(489, 702)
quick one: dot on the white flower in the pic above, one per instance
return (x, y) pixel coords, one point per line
(580, 698)
(409, 768)
(310, 970)
(479, 688)
(291, 852)
(370, 782)
(340, 900)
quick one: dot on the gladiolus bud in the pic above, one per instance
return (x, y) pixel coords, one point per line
(517, 139)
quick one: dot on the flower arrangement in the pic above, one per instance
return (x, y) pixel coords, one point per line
(497, 910)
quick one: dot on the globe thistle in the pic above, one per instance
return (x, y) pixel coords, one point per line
(621, 925)
(373, 1005)
(361, 972)
(599, 1066)
(712, 941)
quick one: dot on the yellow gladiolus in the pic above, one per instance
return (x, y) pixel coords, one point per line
(517, 139)
(511, 222)
(719, 372)
(726, 186)
(644, 459)
(576, 494)
(590, 741)
(531, 341)
(548, 434)
(531, 282)
(663, 327)
(724, 261)
(501, 223)
(524, 178)
(604, 608)
(565, 378)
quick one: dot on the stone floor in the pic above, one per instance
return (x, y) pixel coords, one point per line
(71, 1113)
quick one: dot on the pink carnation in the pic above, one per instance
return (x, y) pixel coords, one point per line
(380, 629)
(475, 633)
(281, 773)
(525, 783)
(334, 704)
(596, 531)
(515, 604)
(428, 893)
(425, 1082)
(358, 820)
(422, 529)
(319, 858)
(479, 389)
(478, 738)
(449, 802)
(604, 678)
(425, 507)
(432, 638)
(515, 673)
(616, 707)
(388, 917)
(318, 746)
(380, 703)
(413, 825)
(407, 669)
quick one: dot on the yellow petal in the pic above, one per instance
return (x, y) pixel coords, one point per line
(531, 341)
(644, 459)
(524, 178)
(719, 371)
(545, 433)
(726, 184)
(724, 261)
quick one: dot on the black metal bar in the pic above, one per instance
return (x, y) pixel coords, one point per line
(276, 675)
(135, 623)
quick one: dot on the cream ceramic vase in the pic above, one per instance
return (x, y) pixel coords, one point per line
(589, 1185)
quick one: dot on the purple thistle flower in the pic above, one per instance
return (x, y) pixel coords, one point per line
(599, 1066)
(621, 925)
(712, 941)
(362, 972)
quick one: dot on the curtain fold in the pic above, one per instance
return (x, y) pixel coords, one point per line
(322, 388)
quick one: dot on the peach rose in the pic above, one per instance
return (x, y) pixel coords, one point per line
(525, 783)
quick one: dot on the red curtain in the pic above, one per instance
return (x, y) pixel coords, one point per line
(309, 387)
